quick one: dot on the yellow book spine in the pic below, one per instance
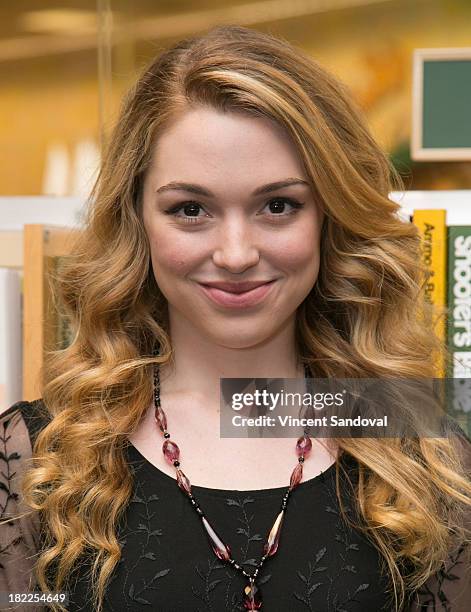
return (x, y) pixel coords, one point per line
(432, 228)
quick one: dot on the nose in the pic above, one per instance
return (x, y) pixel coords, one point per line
(236, 250)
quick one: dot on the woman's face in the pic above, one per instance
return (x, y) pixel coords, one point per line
(226, 200)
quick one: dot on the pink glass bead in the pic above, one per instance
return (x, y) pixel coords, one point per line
(221, 550)
(273, 539)
(171, 451)
(252, 597)
(183, 482)
(303, 445)
(161, 419)
(296, 476)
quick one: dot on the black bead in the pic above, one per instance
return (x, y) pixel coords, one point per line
(166, 435)
(301, 459)
(176, 463)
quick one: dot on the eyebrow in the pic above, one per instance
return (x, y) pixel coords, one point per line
(199, 190)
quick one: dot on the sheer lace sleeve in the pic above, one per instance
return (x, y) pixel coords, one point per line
(450, 589)
(19, 539)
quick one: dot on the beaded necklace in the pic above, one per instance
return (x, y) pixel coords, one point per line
(252, 595)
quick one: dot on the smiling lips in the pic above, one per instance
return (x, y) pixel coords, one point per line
(237, 295)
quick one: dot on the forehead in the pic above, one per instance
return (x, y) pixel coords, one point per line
(215, 145)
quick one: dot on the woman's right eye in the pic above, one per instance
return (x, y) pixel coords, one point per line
(190, 212)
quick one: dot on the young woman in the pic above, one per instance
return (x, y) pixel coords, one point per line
(240, 227)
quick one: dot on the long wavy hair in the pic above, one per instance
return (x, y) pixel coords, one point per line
(364, 317)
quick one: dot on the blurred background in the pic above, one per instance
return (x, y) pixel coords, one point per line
(65, 65)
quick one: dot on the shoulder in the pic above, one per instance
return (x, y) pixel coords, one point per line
(26, 418)
(459, 439)
(450, 427)
(19, 526)
(19, 426)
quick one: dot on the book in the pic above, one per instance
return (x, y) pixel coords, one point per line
(459, 300)
(459, 325)
(432, 228)
(58, 329)
(10, 338)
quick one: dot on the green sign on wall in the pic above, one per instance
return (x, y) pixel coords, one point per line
(441, 104)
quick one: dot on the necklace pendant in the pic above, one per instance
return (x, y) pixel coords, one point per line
(271, 546)
(221, 550)
(252, 596)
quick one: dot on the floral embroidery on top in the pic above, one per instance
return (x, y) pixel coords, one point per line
(7, 474)
(431, 599)
(311, 580)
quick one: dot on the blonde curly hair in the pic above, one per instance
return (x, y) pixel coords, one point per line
(361, 319)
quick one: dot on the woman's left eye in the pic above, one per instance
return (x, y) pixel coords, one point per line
(277, 206)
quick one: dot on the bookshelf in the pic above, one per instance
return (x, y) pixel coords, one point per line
(11, 249)
(41, 245)
(31, 250)
(457, 203)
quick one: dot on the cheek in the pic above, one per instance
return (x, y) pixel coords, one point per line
(171, 254)
(297, 252)
(169, 261)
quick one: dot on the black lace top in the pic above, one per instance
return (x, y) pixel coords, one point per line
(322, 565)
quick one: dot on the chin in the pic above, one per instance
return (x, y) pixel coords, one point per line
(240, 338)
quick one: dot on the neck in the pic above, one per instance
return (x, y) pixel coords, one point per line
(199, 362)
